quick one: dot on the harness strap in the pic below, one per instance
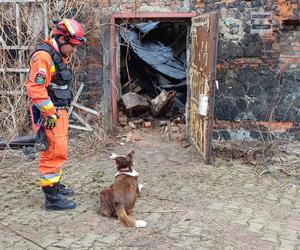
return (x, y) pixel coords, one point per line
(133, 173)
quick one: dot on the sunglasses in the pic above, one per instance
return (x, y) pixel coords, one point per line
(74, 45)
(80, 39)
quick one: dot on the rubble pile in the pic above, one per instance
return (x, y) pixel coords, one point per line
(153, 69)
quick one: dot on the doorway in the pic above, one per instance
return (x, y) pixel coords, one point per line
(139, 68)
(164, 36)
(152, 65)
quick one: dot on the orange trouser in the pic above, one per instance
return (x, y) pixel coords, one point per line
(51, 161)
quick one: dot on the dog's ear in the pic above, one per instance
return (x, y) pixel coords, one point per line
(113, 156)
(130, 154)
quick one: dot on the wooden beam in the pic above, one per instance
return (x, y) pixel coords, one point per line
(14, 70)
(80, 127)
(14, 93)
(77, 105)
(20, 1)
(79, 118)
(16, 47)
(75, 98)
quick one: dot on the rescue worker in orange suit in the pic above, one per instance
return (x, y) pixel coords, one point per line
(48, 88)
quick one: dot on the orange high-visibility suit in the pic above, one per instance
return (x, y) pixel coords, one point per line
(42, 68)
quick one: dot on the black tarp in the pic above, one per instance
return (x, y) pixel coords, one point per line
(155, 54)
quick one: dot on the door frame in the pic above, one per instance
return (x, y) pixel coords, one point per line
(113, 72)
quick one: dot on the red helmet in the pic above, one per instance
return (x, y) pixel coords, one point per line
(71, 30)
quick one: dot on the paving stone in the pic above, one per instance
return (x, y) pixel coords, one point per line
(107, 239)
(270, 236)
(285, 202)
(99, 246)
(48, 241)
(288, 196)
(240, 220)
(175, 231)
(287, 245)
(65, 243)
(255, 227)
(291, 235)
(247, 210)
(220, 207)
(250, 186)
(216, 206)
(235, 206)
(274, 226)
(77, 246)
(272, 197)
(260, 220)
(88, 239)
(195, 230)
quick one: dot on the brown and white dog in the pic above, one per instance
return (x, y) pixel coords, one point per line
(119, 199)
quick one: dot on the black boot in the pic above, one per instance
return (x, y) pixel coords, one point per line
(61, 188)
(56, 201)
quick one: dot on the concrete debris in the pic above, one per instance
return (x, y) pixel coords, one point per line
(138, 121)
(181, 140)
(163, 123)
(147, 124)
(131, 87)
(131, 137)
(163, 103)
(123, 120)
(132, 125)
(133, 101)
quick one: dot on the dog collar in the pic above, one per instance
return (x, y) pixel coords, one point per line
(133, 173)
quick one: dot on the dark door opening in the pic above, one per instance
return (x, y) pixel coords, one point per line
(198, 89)
(152, 68)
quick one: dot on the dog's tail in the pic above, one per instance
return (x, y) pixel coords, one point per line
(128, 221)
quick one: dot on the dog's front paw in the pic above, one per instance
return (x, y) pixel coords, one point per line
(140, 223)
(140, 187)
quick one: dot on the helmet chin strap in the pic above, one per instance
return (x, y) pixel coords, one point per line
(60, 44)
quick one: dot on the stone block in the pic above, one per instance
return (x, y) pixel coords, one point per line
(287, 245)
(256, 3)
(255, 227)
(270, 236)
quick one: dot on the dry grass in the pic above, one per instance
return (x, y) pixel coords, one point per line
(278, 157)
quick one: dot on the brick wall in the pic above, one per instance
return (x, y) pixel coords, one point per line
(92, 65)
(93, 69)
(90, 71)
(290, 46)
(150, 5)
(258, 73)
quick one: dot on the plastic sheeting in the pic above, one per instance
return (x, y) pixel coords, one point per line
(156, 54)
(146, 27)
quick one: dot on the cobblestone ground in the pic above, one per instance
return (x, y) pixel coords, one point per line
(187, 205)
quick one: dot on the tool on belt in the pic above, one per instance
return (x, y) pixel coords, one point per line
(41, 143)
